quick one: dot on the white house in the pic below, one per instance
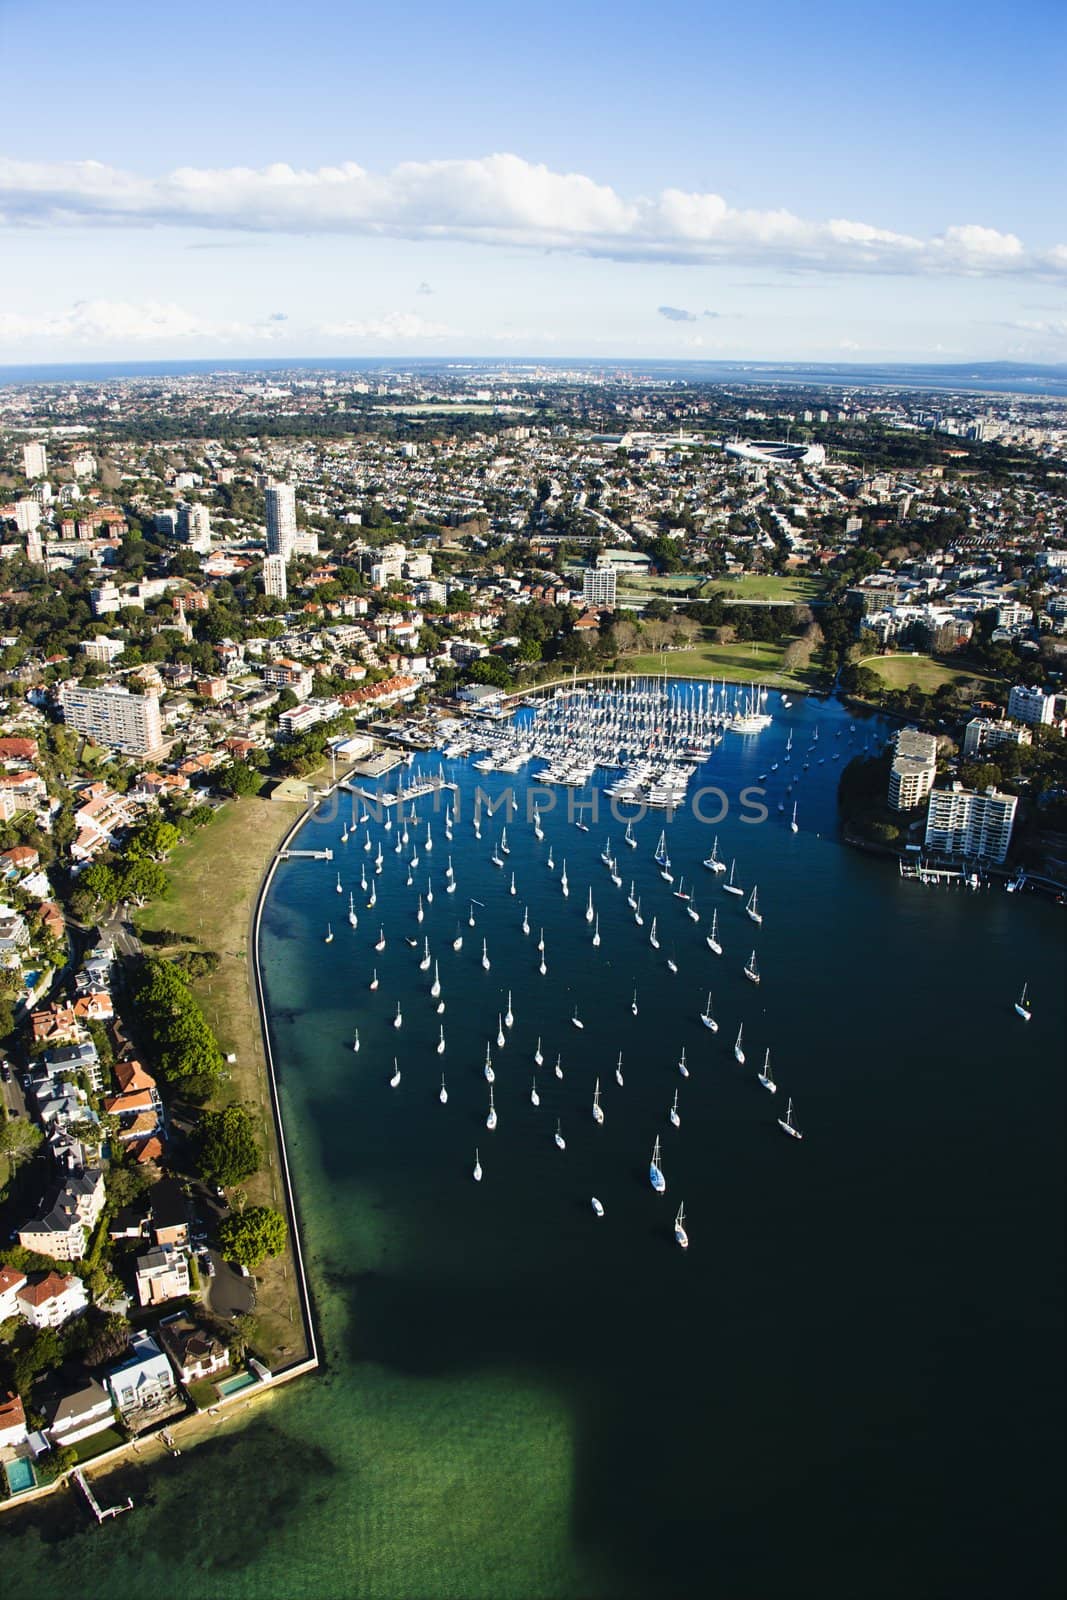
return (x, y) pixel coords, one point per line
(143, 1384)
(87, 1411)
(53, 1300)
(11, 1281)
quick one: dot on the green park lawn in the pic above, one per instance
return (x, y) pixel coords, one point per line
(755, 587)
(744, 663)
(900, 671)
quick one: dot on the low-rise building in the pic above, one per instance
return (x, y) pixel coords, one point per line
(143, 1386)
(985, 733)
(162, 1274)
(195, 1352)
(80, 1414)
(1032, 706)
(67, 1216)
(53, 1299)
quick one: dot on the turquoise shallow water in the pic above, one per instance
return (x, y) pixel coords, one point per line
(849, 1383)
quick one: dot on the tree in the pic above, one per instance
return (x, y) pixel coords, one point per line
(141, 881)
(250, 1238)
(155, 841)
(239, 779)
(228, 1149)
(19, 1140)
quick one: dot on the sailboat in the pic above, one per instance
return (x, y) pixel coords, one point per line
(766, 1077)
(353, 920)
(550, 863)
(379, 943)
(485, 956)
(628, 836)
(526, 920)
(653, 941)
(786, 1123)
(618, 1070)
(538, 1055)
(793, 825)
(631, 898)
(713, 937)
(706, 1017)
(660, 853)
(605, 854)
(541, 966)
(339, 889)
(511, 886)
(379, 860)
(435, 987)
(589, 908)
(374, 979)
(477, 1168)
(363, 880)
(598, 1209)
(420, 914)
(490, 1120)
(751, 969)
(578, 1023)
(504, 850)
(655, 1175)
(355, 1042)
(424, 964)
(598, 1114)
(496, 858)
(561, 1143)
(429, 891)
(691, 910)
(329, 935)
(672, 964)
(738, 1050)
(457, 942)
(752, 908)
(675, 1118)
(399, 1018)
(366, 842)
(564, 885)
(443, 1096)
(535, 1098)
(509, 1015)
(490, 1075)
(538, 830)
(680, 1235)
(394, 1081)
(681, 892)
(428, 845)
(470, 914)
(596, 931)
(638, 918)
(1022, 1005)
(441, 1043)
(633, 1003)
(373, 901)
(712, 862)
(665, 870)
(730, 887)
(500, 1040)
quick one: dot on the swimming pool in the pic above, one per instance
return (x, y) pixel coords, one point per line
(234, 1385)
(20, 1475)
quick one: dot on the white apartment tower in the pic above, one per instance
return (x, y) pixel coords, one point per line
(115, 717)
(281, 520)
(1032, 706)
(598, 585)
(35, 460)
(194, 526)
(274, 583)
(962, 822)
(911, 777)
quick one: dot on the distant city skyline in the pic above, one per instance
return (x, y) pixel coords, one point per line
(709, 183)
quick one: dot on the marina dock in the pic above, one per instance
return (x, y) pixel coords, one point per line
(307, 855)
(101, 1513)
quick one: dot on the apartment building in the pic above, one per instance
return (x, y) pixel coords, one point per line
(983, 733)
(911, 776)
(975, 826)
(114, 717)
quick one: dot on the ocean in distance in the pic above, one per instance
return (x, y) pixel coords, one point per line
(851, 1383)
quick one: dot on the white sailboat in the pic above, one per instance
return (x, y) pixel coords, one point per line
(443, 1096)
(429, 891)
(712, 862)
(490, 1075)
(691, 910)
(435, 987)
(339, 889)
(470, 914)
(374, 979)
(618, 1071)
(526, 920)
(491, 1119)
(504, 849)
(738, 1048)
(535, 1098)
(628, 836)
(538, 1056)
(751, 969)
(1022, 1005)
(655, 1174)
(766, 1077)
(355, 1042)
(441, 1043)
(542, 966)
(633, 1003)
(653, 941)
(379, 943)
(500, 1040)
(509, 1015)
(353, 920)
(589, 908)
(428, 843)
(564, 885)
(787, 1125)
(683, 1066)
(550, 863)
(598, 1113)
(706, 1017)
(672, 964)
(329, 935)
(477, 1168)
(394, 1081)
(793, 825)
(713, 937)
(561, 1143)
(558, 1069)
(457, 942)
(373, 901)
(676, 1120)
(638, 918)
(730, 887)
(665, 871)
(420, 914)
(485, 956)
(631, 898)
(660, 852)
(681, 893)
(578, 1023)
(596, 932)
(598, 1209)
(511, 886)
(680, 1235)
(752, 908)
(398, 1020)
(424, 964)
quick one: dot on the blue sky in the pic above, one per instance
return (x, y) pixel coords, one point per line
(831, 182)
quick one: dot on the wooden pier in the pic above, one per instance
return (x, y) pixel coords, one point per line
(306, 855)
(101, 1513)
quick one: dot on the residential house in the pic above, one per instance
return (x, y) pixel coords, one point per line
(11, 1281)
(194, 1351)
(168, 1213)
(80, 1414)
(162, 1274)
(67, 1216)
(55, 1024)
(53, 1299)
(144, 1385)
(13, 1430)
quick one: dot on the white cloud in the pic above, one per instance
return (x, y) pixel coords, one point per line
(102, 322)
(397, 325)
(498, 200)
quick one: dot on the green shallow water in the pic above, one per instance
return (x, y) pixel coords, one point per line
(849, 1384)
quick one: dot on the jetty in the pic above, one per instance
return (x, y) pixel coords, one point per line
(101, 1513)
(391, 797)
(306, 855)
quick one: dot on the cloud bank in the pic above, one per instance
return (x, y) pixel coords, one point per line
(93, 322)
(499, 200)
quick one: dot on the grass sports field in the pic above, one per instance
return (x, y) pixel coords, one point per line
(753, 662)
(902, 670)
(750, 589)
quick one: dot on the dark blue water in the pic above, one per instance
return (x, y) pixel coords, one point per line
(850, 1383)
